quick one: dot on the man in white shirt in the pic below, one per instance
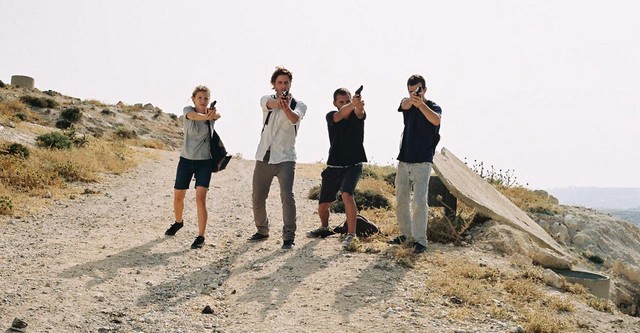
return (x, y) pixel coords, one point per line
(276, 156)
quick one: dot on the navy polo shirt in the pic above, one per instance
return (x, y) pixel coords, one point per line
(419, 137)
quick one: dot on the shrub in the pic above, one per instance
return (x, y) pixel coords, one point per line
(51, 93)
(70, 171)
(391, 178)
(365, 199)
(73, 115)
(125, 133)
(6, 206)
(174, 116)
(2, 85)
(22, 116)
(39, 102)
(54, 140)
(18, 150)
(63, 123)
(78, 140)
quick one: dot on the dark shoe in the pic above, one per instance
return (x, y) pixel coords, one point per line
(419, 248)
(321, 232)
(198, 243)
(398, 240)
(288, 244)
(173, 228)
(258, 237)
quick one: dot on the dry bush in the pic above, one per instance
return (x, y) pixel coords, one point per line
(25, 175)
(528, 200)
(525, 290)
(602, 305)
(560, 304)
(96, 102)
(543, 321)
(146, 143)
(47, 171)
(17, 111)
(574, 288)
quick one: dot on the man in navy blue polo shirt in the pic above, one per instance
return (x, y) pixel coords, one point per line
(344, 165)
(419, 140)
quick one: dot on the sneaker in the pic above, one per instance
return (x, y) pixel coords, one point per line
(198, 243)
(174, 228)
(398, 240)
(321, 232)
(288, 244)
(258, 237)
(419, 248)
(348, 240)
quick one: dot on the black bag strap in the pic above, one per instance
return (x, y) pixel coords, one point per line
(293, 106)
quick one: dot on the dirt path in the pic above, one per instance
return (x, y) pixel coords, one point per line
(101, 263)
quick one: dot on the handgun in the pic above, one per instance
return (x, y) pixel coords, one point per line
(359, 91)
(213, 104)
(418, 91)
(285, 94)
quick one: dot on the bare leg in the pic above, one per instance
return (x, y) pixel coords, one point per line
(178, 204)
(323, 212)
(201, 204)
(351, 211)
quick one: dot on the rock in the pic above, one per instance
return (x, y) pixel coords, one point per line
(207, 310)
(18, 325)
(517, 329)
(552, 279)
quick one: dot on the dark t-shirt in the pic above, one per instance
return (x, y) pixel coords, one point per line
(346, 138)
(419, 137)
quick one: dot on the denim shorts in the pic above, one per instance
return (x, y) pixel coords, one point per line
(187, 169)
(339, 179)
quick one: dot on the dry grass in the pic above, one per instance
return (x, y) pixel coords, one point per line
(528, 200)
(50, 172)
(474, 288)
(17, 111)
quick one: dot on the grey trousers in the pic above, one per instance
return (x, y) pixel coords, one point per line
(262, 178)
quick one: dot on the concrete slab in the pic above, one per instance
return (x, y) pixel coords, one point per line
(476, 192)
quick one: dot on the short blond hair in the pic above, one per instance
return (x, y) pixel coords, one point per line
(199, 89)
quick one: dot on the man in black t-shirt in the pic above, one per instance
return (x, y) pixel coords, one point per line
(419, 139)
(344, 165)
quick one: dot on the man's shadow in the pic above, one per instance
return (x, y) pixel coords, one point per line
(262, 290)
(107, 268)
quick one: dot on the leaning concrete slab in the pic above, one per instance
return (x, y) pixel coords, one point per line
(475, 192)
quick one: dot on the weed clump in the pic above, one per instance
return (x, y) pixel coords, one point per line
(73, 115)
(39, 102)
(122, 132)
(54, 140)
(18, 150)
(6, 206)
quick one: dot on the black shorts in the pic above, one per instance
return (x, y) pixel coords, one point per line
(339, 179)
(188, 168)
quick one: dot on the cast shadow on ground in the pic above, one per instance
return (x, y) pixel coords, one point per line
(139, 257)
(273, 290)
(208, 279)
(373, 285)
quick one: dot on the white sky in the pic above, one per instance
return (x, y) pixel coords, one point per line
(549, 89)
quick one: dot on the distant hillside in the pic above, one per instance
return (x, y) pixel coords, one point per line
(629, 215)
(612, 198)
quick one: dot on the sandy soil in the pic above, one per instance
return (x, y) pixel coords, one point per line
(101, 263)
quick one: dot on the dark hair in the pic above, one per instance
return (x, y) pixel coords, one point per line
(280, 71)
(415, 79)
(340, 92)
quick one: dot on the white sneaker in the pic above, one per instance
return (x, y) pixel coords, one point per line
(346, 243)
